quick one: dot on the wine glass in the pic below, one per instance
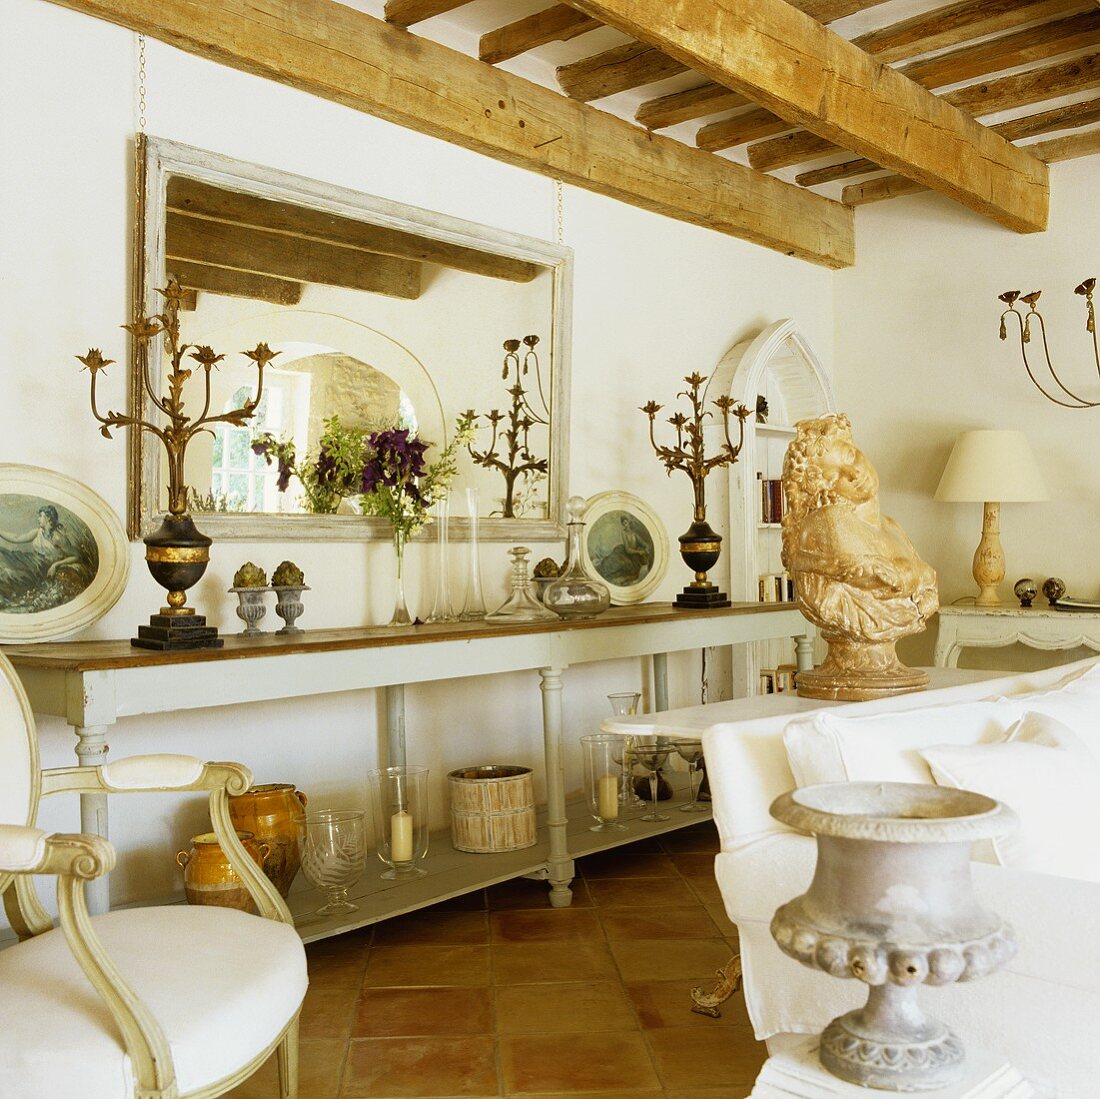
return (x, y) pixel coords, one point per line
(691, 752)
(334, 854)
(624, 703)
(652, 755)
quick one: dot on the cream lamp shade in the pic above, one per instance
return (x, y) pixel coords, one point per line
(991, 467)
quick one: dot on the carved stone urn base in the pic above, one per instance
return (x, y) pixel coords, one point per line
(855, 671)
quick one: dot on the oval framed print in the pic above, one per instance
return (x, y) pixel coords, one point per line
(625, 545)
(64, 558)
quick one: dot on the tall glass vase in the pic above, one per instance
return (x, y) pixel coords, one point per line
(442, 605)
(473, 610)
(401, 616)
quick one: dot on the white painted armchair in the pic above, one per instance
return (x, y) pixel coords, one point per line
(140, 1003)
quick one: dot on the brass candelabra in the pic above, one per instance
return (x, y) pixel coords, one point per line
(517, 459)
(700, 545)
(177, 553)
(1033, 319)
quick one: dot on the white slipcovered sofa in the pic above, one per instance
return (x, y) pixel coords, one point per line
(1042, 1011)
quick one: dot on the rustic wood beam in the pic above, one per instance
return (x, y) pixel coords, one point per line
(1068, 148)
(199, 199)
(1006, 52)
(793, 148)
(404, 13)
(843, 95)
(557, 24)
(616, 70)
(986, 97)
(344, 55)
(299, 259)
(747, 126)
(861, 166)
(876, 190)
(234, 284)
(676, 107)
(828, 11)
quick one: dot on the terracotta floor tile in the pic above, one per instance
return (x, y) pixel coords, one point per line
(627, 862)
(647, 1094)
(668, 1003)
(669, 959)
(395, 1068)
(412, 1012)
(320, 1064)
(693, 864)
(717, 912)
(427, 965)
(327, 1011)
(691, 1058)
(706, 890)
(563, 1008)
(546, 925)
(524, 893)
(429, 925)
(656, 923)
(524, 963)
(711, 1093)
(699, 837)
(641, 893)
(535, 1063)
(464, 902)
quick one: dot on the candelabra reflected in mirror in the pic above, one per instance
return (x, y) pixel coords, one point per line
(1031, 321)
(700, 545)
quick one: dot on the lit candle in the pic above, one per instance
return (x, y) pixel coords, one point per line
(401, 836)
(607, 799)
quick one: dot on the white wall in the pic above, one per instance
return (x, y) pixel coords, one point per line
(654, 300)
(919, 360)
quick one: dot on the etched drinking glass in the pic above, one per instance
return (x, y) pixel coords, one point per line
(334, 854)
(652, 754)
(690, 750)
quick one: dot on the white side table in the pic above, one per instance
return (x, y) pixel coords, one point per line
(965, 626)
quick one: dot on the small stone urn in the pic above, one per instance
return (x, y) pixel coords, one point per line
(250, 586)
(289, 582)
(892, 905)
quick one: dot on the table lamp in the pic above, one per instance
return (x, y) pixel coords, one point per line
(991, 467)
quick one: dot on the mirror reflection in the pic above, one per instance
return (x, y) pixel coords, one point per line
(382, 316)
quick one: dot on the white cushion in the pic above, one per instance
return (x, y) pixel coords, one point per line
(1049, 777)
(885, 747)
(1075, 702)
(222, 985)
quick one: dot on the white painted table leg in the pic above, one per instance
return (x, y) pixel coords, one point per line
(91, 751)
(395, 725)
(947, 651)
(804, 652)
(660, 682)
(560, 872)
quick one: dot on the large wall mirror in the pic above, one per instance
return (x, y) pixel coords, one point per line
(383, 315)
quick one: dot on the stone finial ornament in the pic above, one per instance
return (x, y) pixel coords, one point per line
(857, 576)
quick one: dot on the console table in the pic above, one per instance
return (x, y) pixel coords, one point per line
(967, 626)
(92, 684)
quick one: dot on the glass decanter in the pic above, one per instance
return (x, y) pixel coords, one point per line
(576, 594)
(521, 605)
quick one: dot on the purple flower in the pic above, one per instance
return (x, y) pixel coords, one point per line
(395, 461)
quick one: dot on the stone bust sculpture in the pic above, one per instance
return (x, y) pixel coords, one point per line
(857, 576)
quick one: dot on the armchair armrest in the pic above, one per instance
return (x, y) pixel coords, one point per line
(25, 850)
(142, 774)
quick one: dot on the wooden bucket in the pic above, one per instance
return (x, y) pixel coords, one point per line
(492, 808)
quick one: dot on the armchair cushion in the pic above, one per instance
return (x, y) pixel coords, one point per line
(222, 985)
(21, 848)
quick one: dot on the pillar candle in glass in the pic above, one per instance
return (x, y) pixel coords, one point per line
(601, 779)
(399, 806)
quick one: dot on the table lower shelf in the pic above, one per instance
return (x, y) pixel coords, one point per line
(451, 873)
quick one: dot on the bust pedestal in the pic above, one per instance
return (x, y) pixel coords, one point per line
(794, 1072)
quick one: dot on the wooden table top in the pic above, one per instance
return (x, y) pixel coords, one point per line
(83, 656)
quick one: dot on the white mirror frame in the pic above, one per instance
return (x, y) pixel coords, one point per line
(162, 159)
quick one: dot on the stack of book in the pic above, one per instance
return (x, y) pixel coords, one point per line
(771, 499)
(775, 587)
(778, 680)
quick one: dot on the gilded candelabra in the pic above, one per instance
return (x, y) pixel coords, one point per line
(1064, 396)
(700, 546)
(517, 459)
(177, 553)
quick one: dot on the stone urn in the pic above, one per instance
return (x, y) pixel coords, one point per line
(274, 813)
(208, 877)
(892, 905)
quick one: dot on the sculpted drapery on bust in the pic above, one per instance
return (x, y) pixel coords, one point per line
(857, 576)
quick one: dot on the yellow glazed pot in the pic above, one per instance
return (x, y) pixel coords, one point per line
(209, 879)
(273, 813)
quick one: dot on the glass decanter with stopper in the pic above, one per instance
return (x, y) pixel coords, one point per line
(576, 594)
(521, 605)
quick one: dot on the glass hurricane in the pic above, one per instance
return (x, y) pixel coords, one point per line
(334, 854)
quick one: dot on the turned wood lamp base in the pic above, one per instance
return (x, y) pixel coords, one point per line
(989, 557)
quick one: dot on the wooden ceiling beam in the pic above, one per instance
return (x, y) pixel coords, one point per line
(297, 259)
(328, 49)
(234, 284)
(843, 95)
(557, 24)
(199, 199)
(747, 126)
(793, 148)
(1068, 148)
(404, 13)
(677, 107)
(861, 166)
(617, 70)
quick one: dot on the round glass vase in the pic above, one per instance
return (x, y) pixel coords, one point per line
(575, 594)
(399, 806)
(602, 775)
